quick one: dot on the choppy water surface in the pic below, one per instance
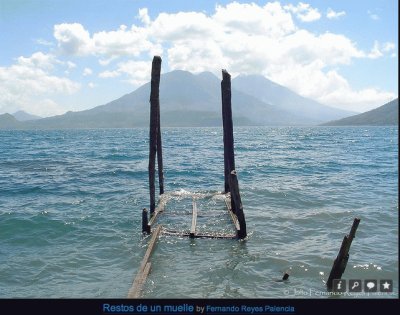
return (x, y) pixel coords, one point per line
(70, 211)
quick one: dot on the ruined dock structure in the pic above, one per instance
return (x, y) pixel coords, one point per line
(230, 194)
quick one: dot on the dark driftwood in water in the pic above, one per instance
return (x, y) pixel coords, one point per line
(237, 206)
(144, 268)
(285, 276)
(154, 122)
(145, 222)
(194, 220)
(340, 263)
(229, 157)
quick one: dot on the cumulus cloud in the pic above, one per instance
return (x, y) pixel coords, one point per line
(245, 38)
(304, 12)
(73, 39)
(135, 72)
(331, 14)
(28, 83)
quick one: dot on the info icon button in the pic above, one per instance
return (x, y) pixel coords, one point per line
(339, 285)
(355, 285)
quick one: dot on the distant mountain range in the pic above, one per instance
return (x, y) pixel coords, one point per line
(187, 99)
(387, 114)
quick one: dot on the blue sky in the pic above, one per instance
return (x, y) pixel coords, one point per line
(61, 55)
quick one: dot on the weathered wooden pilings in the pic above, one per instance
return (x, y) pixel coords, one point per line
(194, 220)
(229, 156)
(231, 182)
(145, 222)
(159, 155)
(155, 133)
(237, 207)
(340, 263)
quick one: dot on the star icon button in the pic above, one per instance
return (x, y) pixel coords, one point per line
(386, 285)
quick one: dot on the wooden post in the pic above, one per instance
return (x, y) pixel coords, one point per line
(194, 220)
(154, 122)
(145, 222)
(229, 157)
(159, 154)
(237, 204)
(340, 263)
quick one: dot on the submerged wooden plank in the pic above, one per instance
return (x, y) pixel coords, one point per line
(198, 235)
(159, 209)
(137, 290)
(141, 272)
(194, 220)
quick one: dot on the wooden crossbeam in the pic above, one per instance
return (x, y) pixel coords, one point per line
(194, 220)
(144, 268)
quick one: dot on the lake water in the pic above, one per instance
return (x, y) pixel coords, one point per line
(71, 200)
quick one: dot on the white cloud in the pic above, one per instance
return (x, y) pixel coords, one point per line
(331, 14)
(73, 39)
(44, 42)
(389, 46)
(373, 15)
(92, 85)
(28, 83)
(87, 72)
(362, 100)
(70, 65)
(241, 37)
(43, 108)
(271, 20)
(135, 72)
(109, 74)
(38, 60)
(304, 12)
(379, 50)
(144, 16)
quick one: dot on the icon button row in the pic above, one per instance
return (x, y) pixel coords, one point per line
(357, 285)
